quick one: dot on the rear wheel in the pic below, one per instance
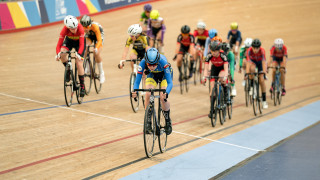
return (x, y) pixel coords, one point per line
(222, 112)
(68, 86)
(87, 66)
(185, 71)
(134, 101)
(96, 77)
(149, 130)
(160, 131)
(77, 85)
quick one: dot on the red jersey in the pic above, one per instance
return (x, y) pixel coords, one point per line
(202, 36)
(186, 42)
(78, 36)
(278, 53)
(260, 56)
(217, 61)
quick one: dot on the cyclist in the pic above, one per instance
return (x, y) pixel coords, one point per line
(278, 54)
(158, 70)
(243, 53)
(213, 36)
(219, 66)
(139, 42)
(234, 38)
(94, 34)
(256, 57)
(230, 56)
(72, 36)
(200, 35)
(145, 17)
(185, 43)
(156, 29)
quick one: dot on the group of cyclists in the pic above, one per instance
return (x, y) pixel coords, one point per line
(154, 67)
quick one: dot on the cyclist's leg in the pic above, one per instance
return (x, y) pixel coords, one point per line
(274, 64)
(166, 108)
(150, 84)
(261, 67)
(191, 51)
(179, 61)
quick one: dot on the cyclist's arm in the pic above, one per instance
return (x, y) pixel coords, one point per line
(145, 41)
(206, 65)
(139, 74)
(97, 32)
(206, 47)
(81, 40)
(163, 26)
(167, 75)
(228, 37)
(242, 53)
(61, 38)
(238, 38)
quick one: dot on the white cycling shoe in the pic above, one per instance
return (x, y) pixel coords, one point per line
(102, 78)
(264, 105)
(233, 91)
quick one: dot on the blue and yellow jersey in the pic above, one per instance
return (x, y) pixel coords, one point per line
(163, 67)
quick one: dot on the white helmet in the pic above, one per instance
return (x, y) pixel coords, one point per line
(71, 22)
(278, 43)
(248, 42)
(134, 30)
(201, 25)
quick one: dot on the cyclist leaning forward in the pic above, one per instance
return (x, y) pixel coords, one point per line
(156, 29)
(94, 34)
(234, 38)
(256, 57)
(185, 43)
(158, 70)
(139, 42)
(230, 56)
(243, 56)
(72, 36)
(219, 66)
(279, 55)
(200, 35)
(145, 15)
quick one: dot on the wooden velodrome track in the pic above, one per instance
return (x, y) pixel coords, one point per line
(42, 140)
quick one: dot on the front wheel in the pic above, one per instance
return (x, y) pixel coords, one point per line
(96, 77)
(160, 131)
(149, 130)
(68, 86)
(213, 110)
(255, 98)
(229, 103)
(134, 101)
(77, 85)
(87, 66)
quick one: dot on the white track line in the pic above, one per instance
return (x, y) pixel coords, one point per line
(119, 119)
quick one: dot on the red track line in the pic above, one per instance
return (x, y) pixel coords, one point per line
(120, 139)
(5, 31)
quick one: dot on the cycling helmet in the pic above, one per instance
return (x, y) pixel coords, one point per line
(134, 30)
(278, 43)
(147, 7)
(248, 42)
(256, 43)
(215, 45)
(185, 29)
(201, 25)
(225, 47)
(71, 22)
(154, 14)
(213, 33)
(234, 26)
(85, 21)
(216, 38)
(152, 56)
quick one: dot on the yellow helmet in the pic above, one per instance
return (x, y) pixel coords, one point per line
(154, 14)
(234, 25)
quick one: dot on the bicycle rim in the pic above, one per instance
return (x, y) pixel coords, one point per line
(255, 99)
(134, 104)
(196, 71)
(162, 136)
(275, 94)
(96, 77)
(87, 75)
(77, 84)
(212, 108)
(186, 77)
(222, 112)
(280, 95)
(149, 137)
(68, 88)
(246, 92)
(259, 99)
(229, 107)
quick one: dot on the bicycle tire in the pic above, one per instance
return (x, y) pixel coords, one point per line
(96, 77)
(87, 76)
(195, 70)
(275, 93)
(246, 92)
(229, 103)
(280, 94)
(259, 98)
(77, 84)
(213, 108)
(134, 103)
(185, 70)
(162, 136)
(68, 87)
(222, 111)
(201, 66)
(181, 85)
(255, 98)
(149, 137)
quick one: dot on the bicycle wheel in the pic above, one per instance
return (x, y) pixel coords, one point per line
(246, 92)
(229, 103)
(68, 86)
(213, 103)
(201, 66)
(77, 85)
(185, 70)
(134, 101)
(182, 85)
(280, 94)
(259, 98)
(160, 131)
(275, 93)
(96, 77)
(149, 134)
(255, 97)
(87, 66)
(222, 112)
(195, 70)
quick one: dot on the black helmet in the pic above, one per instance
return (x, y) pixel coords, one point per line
(256, 43)
(185, 29)
(215, 45)
(85, 21)
(225, 47)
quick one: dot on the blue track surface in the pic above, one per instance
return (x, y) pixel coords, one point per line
(212, 159)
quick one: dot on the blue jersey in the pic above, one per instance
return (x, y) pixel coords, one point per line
(234, 37)
(163, 67)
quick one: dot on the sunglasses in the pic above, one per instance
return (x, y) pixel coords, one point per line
(152, 64)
